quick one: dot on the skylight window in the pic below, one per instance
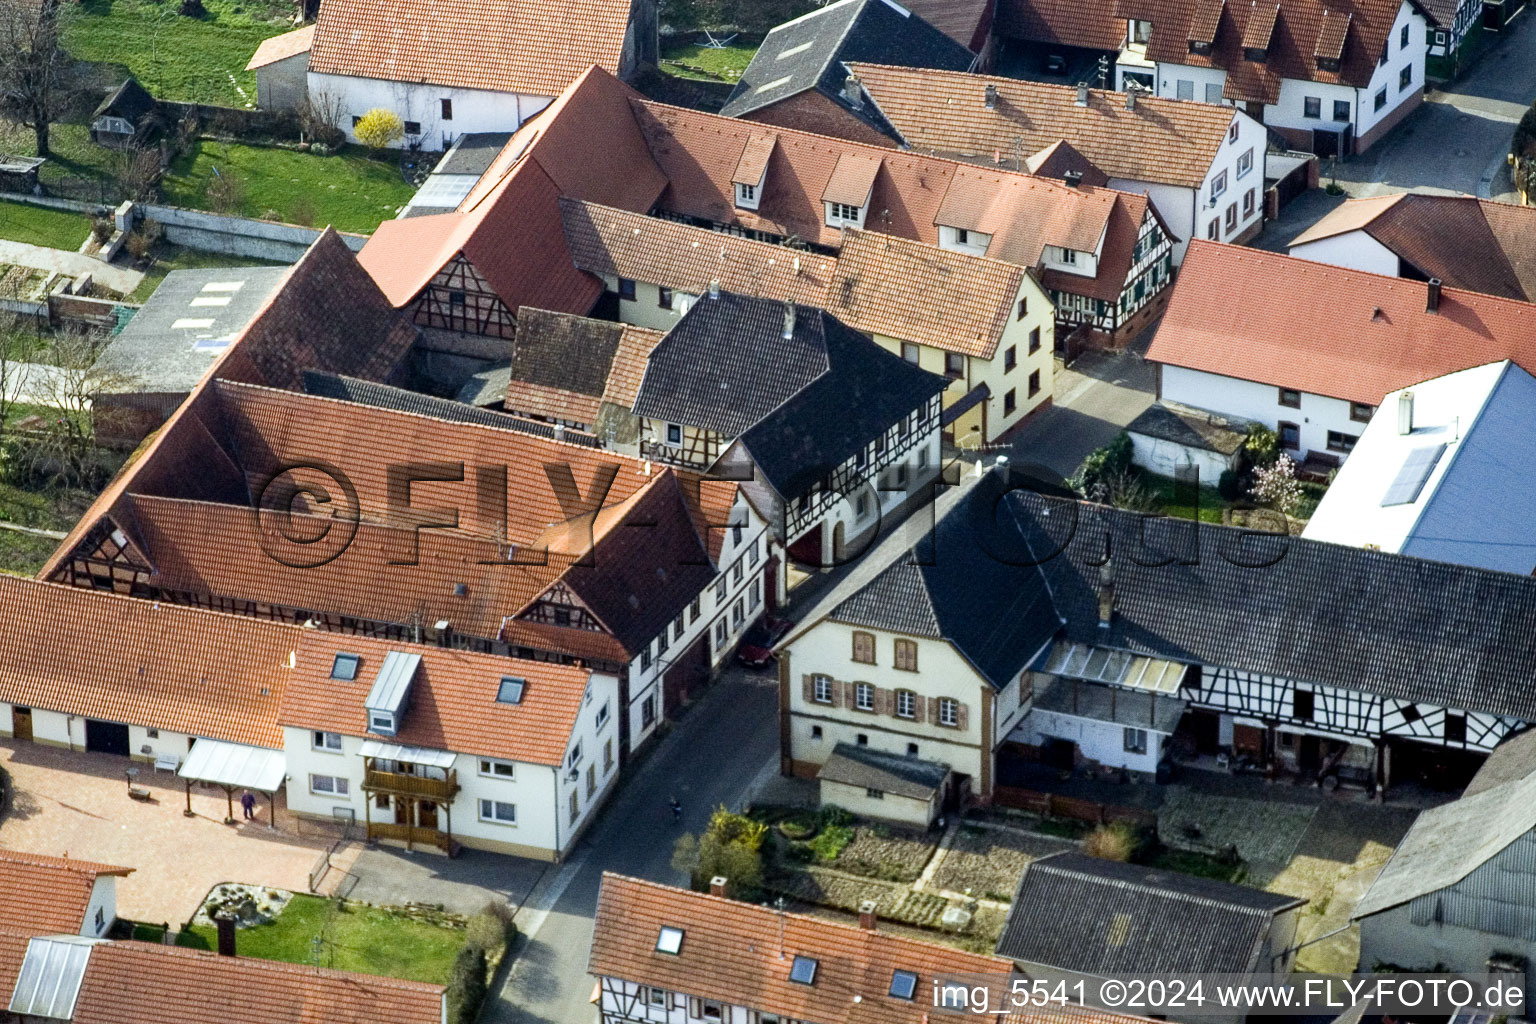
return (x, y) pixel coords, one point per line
(345, 667)
(903, 984)
(803, 970)
(670, 940)
(776, 83)
(511, 690)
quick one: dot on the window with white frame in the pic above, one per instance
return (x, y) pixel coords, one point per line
(329, 785)
(1218, 184)
(494, 768)
(1135, 741)
(648, 711)
(844, 213)
(821, 689)
(1245, 162)
(738, 571)
(906, 704)
(949, 711)
(864, 696)
(738, 614)
(498, 811)
(602, 715)
(330, 741)
(746, 195)
(656, 996)
(574, 757)
(674, 434)
(756, 593)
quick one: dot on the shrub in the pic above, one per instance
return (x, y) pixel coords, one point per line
(1104, 462)
(378, 128)
(831, 814)
(466, 985)
(1262, 446)
(799, 826)
(320, 149)
(1115, 841)
(101, 229)
(1276, 485)
(1229, 486)
(491, 928)
(142, 240)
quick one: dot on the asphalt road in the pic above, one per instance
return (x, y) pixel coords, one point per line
(710, 758)
(1457, 140)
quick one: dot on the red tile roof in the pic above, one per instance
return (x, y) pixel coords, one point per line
(143, 983)
(1297, 33)
(731, 952)
(289, 44)
(534, 47)
(453, 699)
(1162, 140)
(1065, 22)
(47, 895)
(509, 225)
(156, 665)
(967, 22)
(1470, 243)
(1294, 340)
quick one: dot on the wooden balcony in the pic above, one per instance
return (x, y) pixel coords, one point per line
(412, 834)
(417, 787)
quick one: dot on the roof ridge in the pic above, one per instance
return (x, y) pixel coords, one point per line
(194, 611)
(43, 860)
(131, 946)
(1051, 864)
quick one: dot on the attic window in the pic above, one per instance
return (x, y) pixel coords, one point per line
(511, 690)
(903, 984)
(461, 590)
(803, 970)
(670, 940)
(345, 667)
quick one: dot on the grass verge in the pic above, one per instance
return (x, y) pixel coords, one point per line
(708, 63)
(41, 225)
(357, 937)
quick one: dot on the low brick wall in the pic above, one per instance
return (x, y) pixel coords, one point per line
(1074, 808)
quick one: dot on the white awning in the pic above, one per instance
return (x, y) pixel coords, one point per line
(235, 764)
(1118, 668)
(410, 755)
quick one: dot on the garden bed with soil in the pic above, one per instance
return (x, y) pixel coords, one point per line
(988, 862)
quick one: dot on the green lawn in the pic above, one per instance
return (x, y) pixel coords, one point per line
(350, 191)
(24, 554)
(1183, 501)
(170, 257)
(711, 64)
(42, 225)
(359, 938)
(175, 57)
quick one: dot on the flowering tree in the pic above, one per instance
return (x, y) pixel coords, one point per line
(1276, 485)
(378, 128)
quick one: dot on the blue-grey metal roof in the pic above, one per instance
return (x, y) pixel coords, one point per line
(810, 52)
(392, 686)
(50, 976)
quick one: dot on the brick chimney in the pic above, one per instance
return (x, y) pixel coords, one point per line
(226, 925)
(717, 885)
(867, 915)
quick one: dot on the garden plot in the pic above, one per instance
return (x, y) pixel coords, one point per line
(987, 862)
(25, 284)
(888, 853)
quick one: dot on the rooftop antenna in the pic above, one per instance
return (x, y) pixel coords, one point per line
(1018, 152)
(778, 905)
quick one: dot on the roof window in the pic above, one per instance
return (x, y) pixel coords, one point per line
(511, 690)
(903, 984)
(803, 970)
(670, 940)
(345, 667)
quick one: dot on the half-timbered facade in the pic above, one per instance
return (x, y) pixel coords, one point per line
(459, 298)
(1082, 303)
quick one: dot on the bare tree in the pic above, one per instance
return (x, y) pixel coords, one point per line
(137, 170)
(32, 65)
(66, 448)
(320, 117)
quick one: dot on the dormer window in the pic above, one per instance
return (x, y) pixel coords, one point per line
(391, 691)
(1068, 256)
(752, 171)
(1141, 32)
(849, 189)
(839, 214)
(1200, 47)
(746, 195)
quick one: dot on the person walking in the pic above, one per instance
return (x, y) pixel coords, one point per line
(248, 804)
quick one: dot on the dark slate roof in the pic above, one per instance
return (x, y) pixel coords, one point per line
(472, 153)
(129, 100)
(1304, 610)
(170, 343)
(1193, 428)
(801, 406)
(560, 350)
(383, 396)
(1512, 760)
(1093, 916)
(889, 773)
(810, 52)
(932, 588)
(487, 386)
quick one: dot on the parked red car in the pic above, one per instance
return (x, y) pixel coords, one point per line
(756, 648)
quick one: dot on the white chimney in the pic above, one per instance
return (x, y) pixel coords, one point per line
(989, 98)
(1405, 413)
(1130, 98)
(789, 320)
(1082, 94)
(714, 288)
(852, 91)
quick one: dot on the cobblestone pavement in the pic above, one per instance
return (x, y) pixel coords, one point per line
(77, 804)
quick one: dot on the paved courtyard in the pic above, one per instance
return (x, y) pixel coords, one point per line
(77, 805)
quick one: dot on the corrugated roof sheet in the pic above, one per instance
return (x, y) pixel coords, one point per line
(235, 764)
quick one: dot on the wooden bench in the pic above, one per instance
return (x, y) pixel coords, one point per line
(168, 763)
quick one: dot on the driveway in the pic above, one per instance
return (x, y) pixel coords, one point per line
(76, 804)
(1095, 398)
(387, 876)
(711, 757)
(1457, 140)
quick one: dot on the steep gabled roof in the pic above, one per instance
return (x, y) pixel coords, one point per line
(453, 704)
(730, 951)
(47, 894)
(810, 52)
(1063, 22)
(508, 227)
(560, 364)
(1469, 243)
(534, 47)
(1110, 918)
(1394, 341)
(967, 22)
(1161, 140)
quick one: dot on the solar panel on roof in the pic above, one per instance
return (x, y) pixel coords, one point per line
(1411, 478)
